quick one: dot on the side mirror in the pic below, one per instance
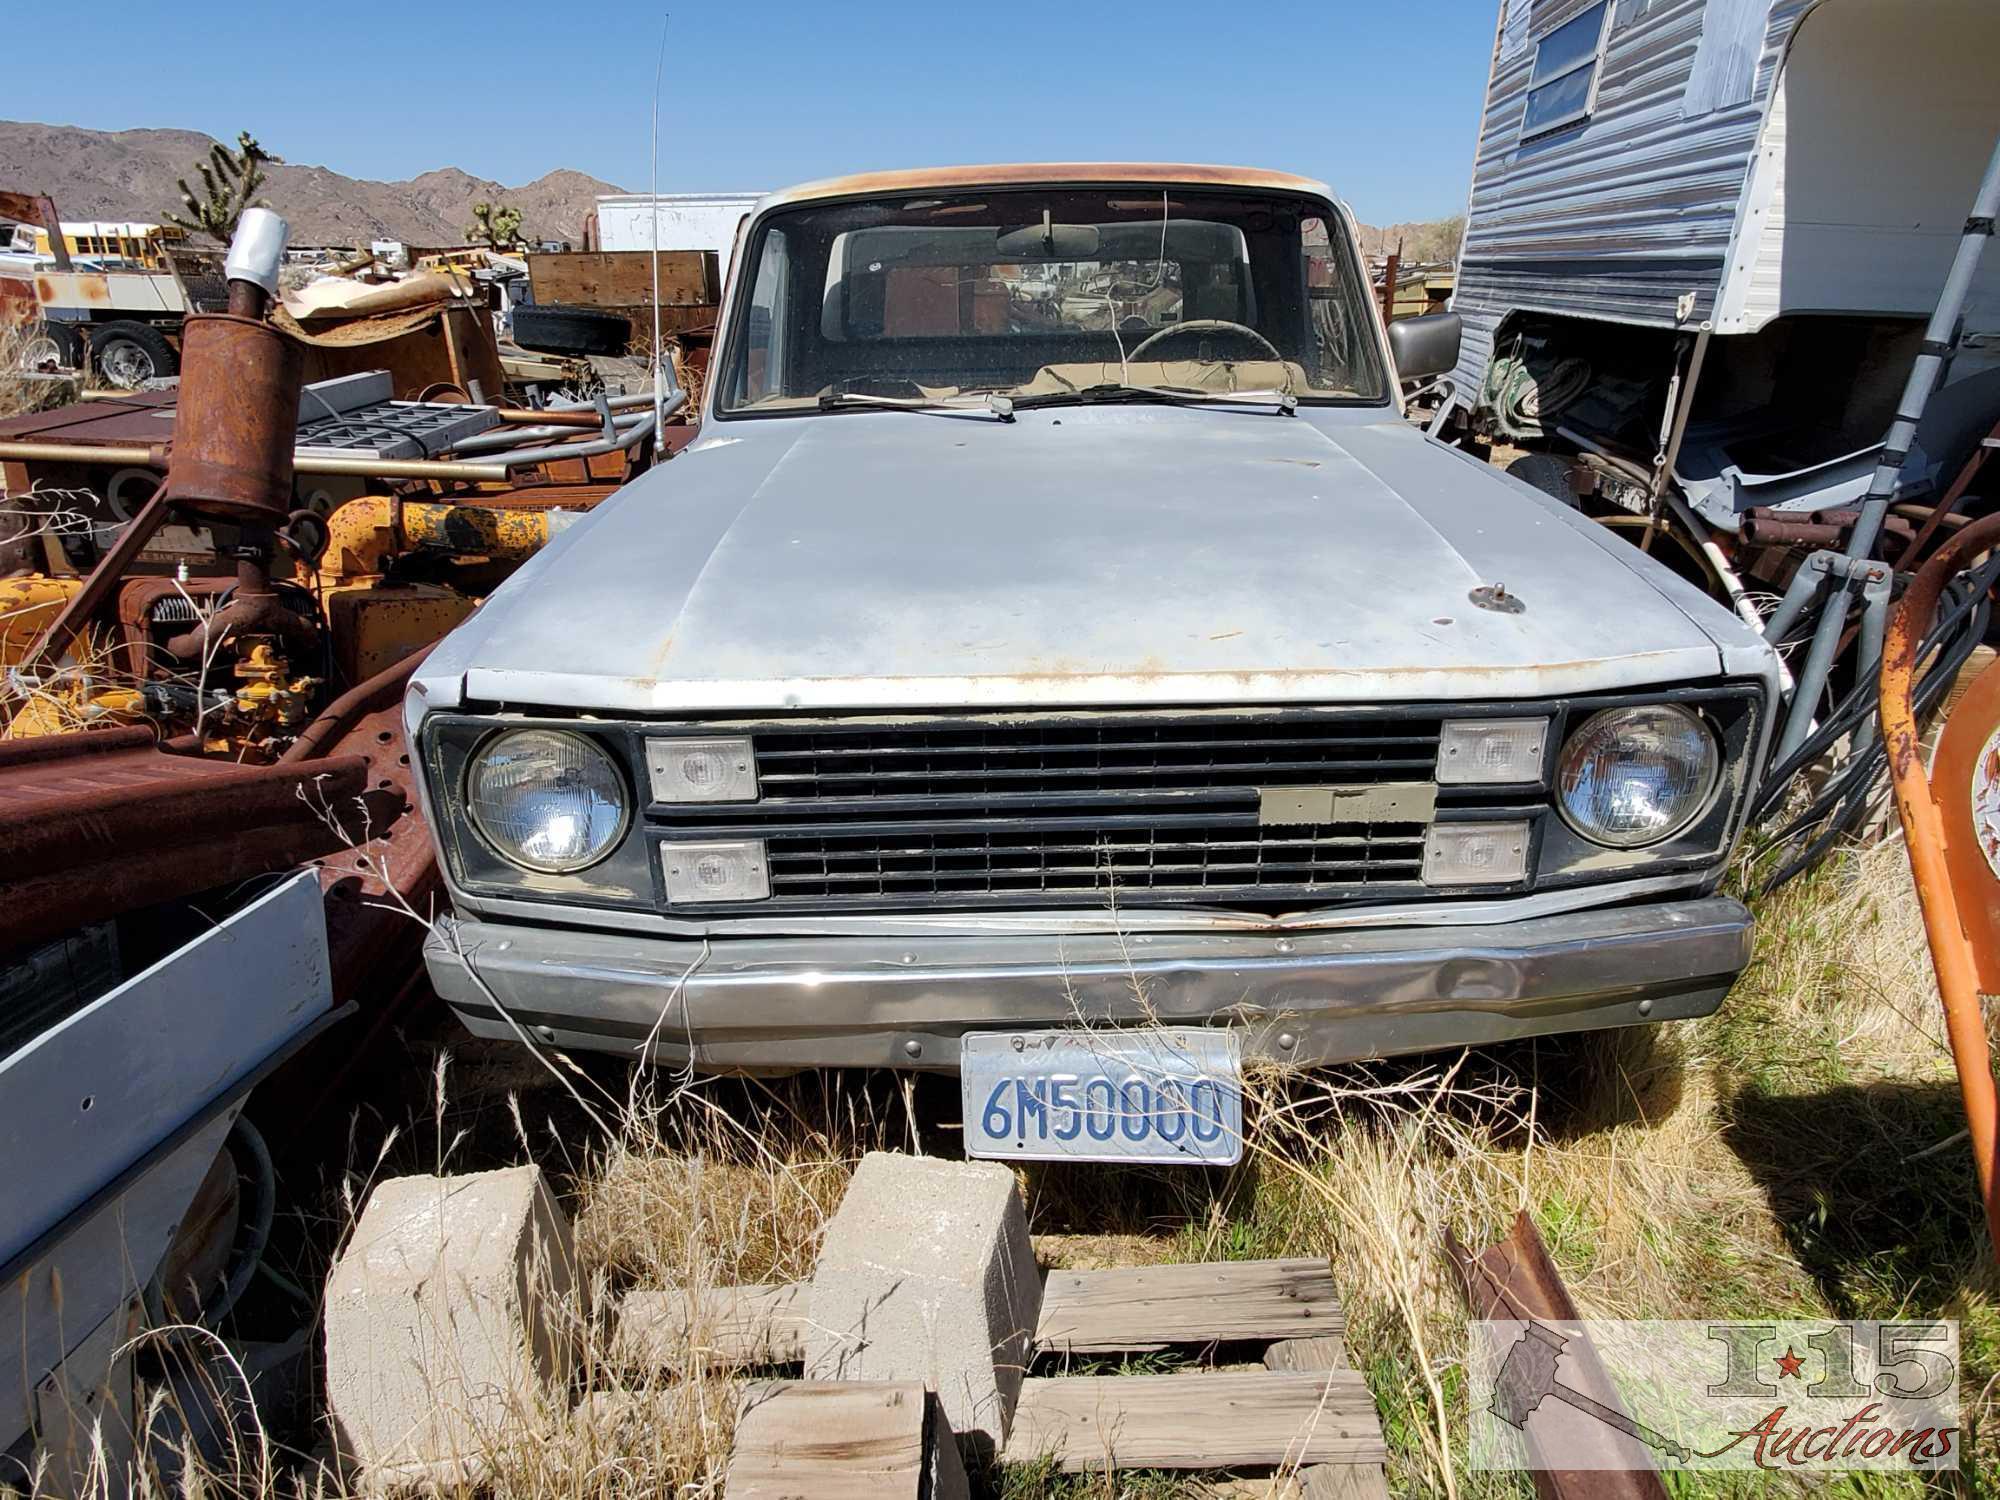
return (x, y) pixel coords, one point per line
(1425, 346)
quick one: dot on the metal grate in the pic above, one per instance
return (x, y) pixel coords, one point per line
(1045, 861)
(1068, 762)
(1067, 809)
(394, 429)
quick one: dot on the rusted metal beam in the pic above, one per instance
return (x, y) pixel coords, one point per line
(96, 824)
(1958, 918)
(1514, 1279)
(371, 890)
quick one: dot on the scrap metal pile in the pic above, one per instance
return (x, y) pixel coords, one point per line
(211, 601)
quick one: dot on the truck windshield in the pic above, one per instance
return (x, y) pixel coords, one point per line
(1040, 293)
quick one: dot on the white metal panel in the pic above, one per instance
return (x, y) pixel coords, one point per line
(1879, 129)
(687, 221)
(86, 1098)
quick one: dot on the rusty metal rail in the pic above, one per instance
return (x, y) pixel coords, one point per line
(97, 824)
(1958, 918)
(1514, 1279)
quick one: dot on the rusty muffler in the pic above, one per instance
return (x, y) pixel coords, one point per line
(238, 412)
(233, 436)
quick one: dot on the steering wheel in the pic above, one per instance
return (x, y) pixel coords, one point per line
(1207, 325)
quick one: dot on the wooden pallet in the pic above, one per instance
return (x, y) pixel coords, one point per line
(1305, 1408)
(1297, 1405)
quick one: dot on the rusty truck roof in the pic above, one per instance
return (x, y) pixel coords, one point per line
(1021, 174)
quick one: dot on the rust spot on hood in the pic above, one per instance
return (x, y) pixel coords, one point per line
(1048, 174)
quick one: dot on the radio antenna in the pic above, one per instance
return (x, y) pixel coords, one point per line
(653, 211)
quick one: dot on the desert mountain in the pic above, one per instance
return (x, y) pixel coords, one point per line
(129, 174)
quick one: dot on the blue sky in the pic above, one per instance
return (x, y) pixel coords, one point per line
(1379, 98)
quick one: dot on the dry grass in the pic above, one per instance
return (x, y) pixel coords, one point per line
(1779, 1158)
(1790, 1155)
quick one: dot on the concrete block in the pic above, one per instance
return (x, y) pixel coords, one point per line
(927, 1274)
(450, 1324)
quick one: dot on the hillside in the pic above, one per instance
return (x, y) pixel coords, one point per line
(129, 174)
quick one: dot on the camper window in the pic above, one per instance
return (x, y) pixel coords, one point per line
(1563, 85)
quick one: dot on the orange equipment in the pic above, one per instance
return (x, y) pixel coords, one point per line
(1951, 825)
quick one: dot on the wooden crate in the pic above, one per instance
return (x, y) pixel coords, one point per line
(621, 279)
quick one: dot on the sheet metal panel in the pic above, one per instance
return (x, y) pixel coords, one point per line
(1623, 216)
(89, 1098)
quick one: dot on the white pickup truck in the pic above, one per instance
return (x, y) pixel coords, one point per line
(1057, 660)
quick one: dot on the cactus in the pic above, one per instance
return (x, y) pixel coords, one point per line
(495, 224)
(229, 184)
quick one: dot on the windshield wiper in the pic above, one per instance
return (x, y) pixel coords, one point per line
(1283, 402)
(998, 406)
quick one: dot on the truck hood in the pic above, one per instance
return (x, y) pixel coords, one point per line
(1100, 556)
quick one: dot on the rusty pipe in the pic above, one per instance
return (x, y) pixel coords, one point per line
(1826, 528)
(369, 530)
(588, 420)
(1786, 531)
(253, 609)
(155, 457)
(1924, 838)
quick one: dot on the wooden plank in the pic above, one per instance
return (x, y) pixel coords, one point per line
(1307, 1355)
(1263, 1487)
(1152, 1307)
(727, 1325)
(624, 278)
(1343, 1482)
(1235, 1419)
(836, 1440)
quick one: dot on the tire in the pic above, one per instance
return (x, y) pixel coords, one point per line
(127, 355)
(571, 330)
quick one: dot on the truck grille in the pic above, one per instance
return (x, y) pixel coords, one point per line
(1069, 763)
(1067, 861)
(1061, 810)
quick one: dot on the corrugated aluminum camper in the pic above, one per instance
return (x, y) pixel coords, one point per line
(1738, 210)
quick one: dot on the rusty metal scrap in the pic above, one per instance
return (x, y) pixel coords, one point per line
(366, 532)
(94, 825)
(232, 454)
(1513, 1278)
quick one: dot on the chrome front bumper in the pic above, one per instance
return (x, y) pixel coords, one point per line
(903, 1002)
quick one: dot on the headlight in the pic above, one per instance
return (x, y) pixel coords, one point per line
(545, 799)
(1635, 776)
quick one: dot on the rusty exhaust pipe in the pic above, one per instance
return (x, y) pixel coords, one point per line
(233, 435)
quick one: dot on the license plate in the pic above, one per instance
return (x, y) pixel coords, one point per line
(1164, 1094)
